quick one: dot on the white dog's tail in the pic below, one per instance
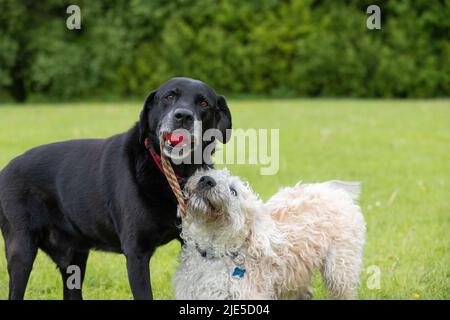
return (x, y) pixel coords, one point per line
(352, 188)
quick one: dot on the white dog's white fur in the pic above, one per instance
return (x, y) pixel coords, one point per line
(279, 243)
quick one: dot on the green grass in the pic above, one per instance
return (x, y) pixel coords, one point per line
(400, 150)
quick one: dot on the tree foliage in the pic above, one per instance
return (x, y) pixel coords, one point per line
(263, 47)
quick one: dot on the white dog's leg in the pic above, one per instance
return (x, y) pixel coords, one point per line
(306, 294)
(341, 272)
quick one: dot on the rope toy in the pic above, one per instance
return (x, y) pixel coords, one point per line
(173, 181)
(164, 165)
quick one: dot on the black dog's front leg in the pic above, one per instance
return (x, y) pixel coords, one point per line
(138, 268)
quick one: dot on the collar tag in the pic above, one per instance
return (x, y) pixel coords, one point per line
(238, 272)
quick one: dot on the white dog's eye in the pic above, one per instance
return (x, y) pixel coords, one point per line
(233, 192)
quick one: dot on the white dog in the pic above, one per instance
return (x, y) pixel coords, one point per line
(237, 247)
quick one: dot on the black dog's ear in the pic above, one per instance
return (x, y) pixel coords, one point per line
(224, 121)
(143, 117)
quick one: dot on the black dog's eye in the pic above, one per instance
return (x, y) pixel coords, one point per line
(169, 98)
(233, 191)
(204, 104)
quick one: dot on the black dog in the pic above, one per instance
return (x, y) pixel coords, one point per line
(107, 194)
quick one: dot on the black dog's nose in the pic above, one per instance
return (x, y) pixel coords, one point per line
(184, 116)
(206, 182)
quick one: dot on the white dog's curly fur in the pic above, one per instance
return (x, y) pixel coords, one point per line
(279, 244)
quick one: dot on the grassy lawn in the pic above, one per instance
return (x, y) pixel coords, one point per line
(400, 150)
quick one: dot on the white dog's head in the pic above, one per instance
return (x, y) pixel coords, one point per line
(216, 197)
(223, 214)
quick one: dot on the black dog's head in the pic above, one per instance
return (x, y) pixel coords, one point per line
(178, 104)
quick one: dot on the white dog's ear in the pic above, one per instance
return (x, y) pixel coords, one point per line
(352, 188)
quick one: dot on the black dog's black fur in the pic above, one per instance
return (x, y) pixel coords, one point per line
(69, 197)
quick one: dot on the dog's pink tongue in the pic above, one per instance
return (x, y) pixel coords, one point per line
(176, 138)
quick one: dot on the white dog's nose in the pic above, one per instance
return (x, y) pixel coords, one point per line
(206, 182)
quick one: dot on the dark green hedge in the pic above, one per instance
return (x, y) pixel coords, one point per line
(278, 48)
